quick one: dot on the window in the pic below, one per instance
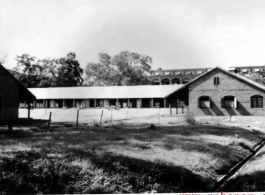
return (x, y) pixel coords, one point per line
(229, 102)
(216, 81)
(256, 101)
(204, 102)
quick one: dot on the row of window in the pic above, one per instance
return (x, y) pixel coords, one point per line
(177, 73)
(230, 102)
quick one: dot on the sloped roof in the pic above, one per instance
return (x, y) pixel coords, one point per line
(241, 78)
(109, 92)
(24, 93)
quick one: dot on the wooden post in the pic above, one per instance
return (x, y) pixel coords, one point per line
(159, 116)
(111, 114)
(28, 110)
(49, 122)
(170, 109)
(177, 107)
(73, 103)
(101, 117)
(128, 103)
(165, 102)
(152, 103)
(127, 113)
(77, 117)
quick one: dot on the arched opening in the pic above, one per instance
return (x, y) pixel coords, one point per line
(156, 82)
(256, 101)
(176, 81)
(204, 102)
(165, 82)
(229, 102)
(186, 80)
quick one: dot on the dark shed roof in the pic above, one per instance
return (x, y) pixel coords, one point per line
(24, 93)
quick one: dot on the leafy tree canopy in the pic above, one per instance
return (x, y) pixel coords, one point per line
(255, 77)
(126, 68)
(61, 72)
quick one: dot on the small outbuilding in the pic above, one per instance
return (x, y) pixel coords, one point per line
(11, 93)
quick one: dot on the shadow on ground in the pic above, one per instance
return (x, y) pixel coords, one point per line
(253, 182)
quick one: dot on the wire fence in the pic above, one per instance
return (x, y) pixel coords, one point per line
(102, 115)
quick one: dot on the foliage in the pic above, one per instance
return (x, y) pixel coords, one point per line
(190, 118)
(255, 77)
(126, 68)
(48, 72)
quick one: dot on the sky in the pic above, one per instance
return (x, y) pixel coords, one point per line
(174, 33)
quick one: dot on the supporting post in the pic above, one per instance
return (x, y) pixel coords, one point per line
(152, 103)
(28, 110)
(170, 109)
(49, 122)
(165, 102)
(64, 103)
(77, 117)
(177, 106)
(73, 103)
(95, 103)
(128, 103)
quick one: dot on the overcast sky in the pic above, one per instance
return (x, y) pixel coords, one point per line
(176, 34)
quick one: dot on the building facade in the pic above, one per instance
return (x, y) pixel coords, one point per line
(220, 93)
(146, 96)
(248, 69)
(11, 93)
(176, 76)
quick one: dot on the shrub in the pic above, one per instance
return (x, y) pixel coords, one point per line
(190, 118)
(152, 126)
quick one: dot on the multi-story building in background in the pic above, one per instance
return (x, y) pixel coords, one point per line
(175, 76)
(248, 69)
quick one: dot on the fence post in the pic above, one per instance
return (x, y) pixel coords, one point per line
(49, 121)
(127, 113)
(101, 116)
(159, 116)
(77, 117)
(111, 115)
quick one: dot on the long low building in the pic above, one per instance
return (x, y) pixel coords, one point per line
(146, 96)
(217, 92)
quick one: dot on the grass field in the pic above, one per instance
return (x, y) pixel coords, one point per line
(125, 157)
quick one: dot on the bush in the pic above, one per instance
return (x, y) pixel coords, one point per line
(152, 126)
(190, 118)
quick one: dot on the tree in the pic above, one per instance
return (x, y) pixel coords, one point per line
(123, 69)
(61, 72)
(69, 72)
(255, 77)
